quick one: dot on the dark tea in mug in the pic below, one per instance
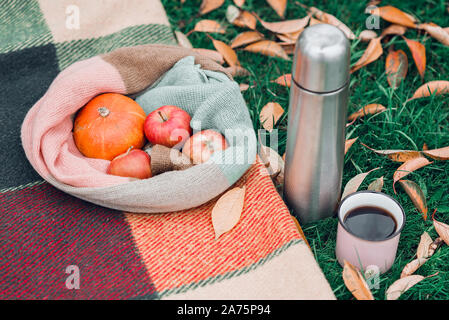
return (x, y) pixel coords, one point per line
(370, 223)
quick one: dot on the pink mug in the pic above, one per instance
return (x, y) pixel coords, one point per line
(360, 252)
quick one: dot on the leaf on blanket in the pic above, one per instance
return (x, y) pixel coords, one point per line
(272, 161)
(418, 51)
(349, 143)
(355, 283)
(354, 184)
(394, 15)
(279, 6)
(284, 80)
(268, 48)
(412, 266)
(443, 230)
(396, 66)
(437, 87)
(227, 211)
(423, 250)
(212, 54)
(371, 54)
(183, 41)
(210, 5)
(287, 26)
(246, 38)
(372, 108)
(438, 154)
(400, 286)
(397, 155)
(408, 167)
(376, 185)
(270, 114)
(211, 26)
(228, 53)
(416, 195)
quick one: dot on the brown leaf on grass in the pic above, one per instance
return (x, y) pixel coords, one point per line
(400, 286)
(396, 66)
(443, 230)
(397, 155)
(423, 250)
(241, 18)
(246, 38)
(210, 5)
(237, 71)
(412, 266)
(182, 39)
(408, 167)
(372, 108)
(394, 15)
(279, 6)
(228, 53)
(434, 246)
(289, 48)
(239, 3)
(270, 114)
(437, 87)
(436, 32)
(416, 195)
(367, 35)
(287, 26)
(438, 154)
(212, 54)
(355, 283)
(376, 185)
(394, 29)
(207, 25)
(227, 211)
(332, 20)
(269, 48)
(372, 53)
(284, 80)
(289, 38)
(349, 143)
(354, 184)
(418, 51)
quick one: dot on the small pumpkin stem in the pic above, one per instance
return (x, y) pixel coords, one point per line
(162, 116)
(103, 111)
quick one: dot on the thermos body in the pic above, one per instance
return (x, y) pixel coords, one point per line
(317, 123)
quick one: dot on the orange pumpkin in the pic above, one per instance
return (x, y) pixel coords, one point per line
(108, 125)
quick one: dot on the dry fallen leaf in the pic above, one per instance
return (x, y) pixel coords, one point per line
(287, 26)
(314, 21)
(423, 250)
(438, 154)
(434, 246)
(246, 38)
(227, 211)
(396, 66)
(270, 114)
(416, 195)
(436, 87)
(355, 283)
(376, 185)
(183, 41)
(367, 35)
(408, 167)
(284, 80)
(332, 20)
(210, 5)
(400, 286)
(243, 87)
(372, 108)
(354, 184)
(241, 18)
(394, 29)
(237, 71)
(349, 143)
(239, 3)
(397, 155)
(228, 53)
(272, 161)
(436, 32)
(212, 54)
(278, 6)
(269, 48)
(372, 53)
(412, 266)
(443, 230)
(394, 15)
(207, 25)
(289, 38)
(425, 147)
(418, 51)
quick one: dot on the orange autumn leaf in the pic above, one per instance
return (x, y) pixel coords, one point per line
(418, 51)
(241, 18)
(416, 195)
(284, 80)
(289, 38)
(396, 66)
(207, 25)
(408, 167)
(279, 6)
(228, 53)
(210, 5)
(436, 32)
(325, 17)
(270, 114)
(372, 53)
(246, 38)
(437, 87)
(355, 282)
(394, 15)
(211, 54)
(394, 29)
(269, 48)
(397, 155)
(372, 108)
(438, 154)
(287, 26)
(349, 143)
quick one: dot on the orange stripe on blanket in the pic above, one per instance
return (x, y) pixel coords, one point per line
(179, 248)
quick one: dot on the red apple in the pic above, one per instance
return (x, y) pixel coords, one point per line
(168, 126)
(133, 163)
(200, 147)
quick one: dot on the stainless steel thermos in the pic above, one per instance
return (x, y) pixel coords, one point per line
(316, 122)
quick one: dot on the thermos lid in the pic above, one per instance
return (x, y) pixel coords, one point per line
(321, 62)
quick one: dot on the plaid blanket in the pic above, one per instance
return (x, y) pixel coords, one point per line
(55, 246)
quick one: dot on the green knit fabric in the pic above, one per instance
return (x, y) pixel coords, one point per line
(214, 102)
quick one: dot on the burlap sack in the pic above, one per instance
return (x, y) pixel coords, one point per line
(214, 101)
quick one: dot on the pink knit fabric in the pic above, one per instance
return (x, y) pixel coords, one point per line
(47, 130)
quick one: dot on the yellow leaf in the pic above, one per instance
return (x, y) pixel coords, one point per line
(355, 283)
(269, 48)
(400, 286)
(246, 38)
(210, 5)
(270, 114)
(371, 54)
(372, 108)
(227, 211)
(416, 195)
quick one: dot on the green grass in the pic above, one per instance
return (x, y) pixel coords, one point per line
(402, 126)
